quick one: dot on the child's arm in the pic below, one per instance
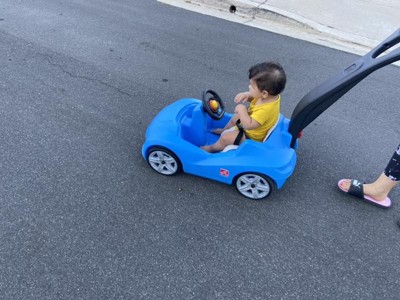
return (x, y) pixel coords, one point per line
(245, 120)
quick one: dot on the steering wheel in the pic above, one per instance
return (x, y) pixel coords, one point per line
(213, 104)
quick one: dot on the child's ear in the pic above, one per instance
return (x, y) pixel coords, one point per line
(265, 94)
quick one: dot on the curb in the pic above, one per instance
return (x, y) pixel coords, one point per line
(263, 16)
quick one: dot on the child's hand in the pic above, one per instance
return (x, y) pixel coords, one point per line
(241, 97)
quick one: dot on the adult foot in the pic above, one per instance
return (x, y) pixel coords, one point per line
(369, 190)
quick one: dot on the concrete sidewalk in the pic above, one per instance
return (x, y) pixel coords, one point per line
(353, 26)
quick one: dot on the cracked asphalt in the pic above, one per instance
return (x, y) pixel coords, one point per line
(83, 216)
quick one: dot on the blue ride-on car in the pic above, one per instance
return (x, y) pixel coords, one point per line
(174, 137)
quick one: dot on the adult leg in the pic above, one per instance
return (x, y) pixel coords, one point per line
(392, 170)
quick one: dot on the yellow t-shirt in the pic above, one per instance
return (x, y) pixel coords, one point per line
(266, 115)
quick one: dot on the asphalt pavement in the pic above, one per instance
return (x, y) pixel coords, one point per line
(82, 214)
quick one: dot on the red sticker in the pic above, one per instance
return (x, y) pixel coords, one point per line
(224, 172)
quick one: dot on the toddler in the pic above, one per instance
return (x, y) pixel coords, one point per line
(267, 81)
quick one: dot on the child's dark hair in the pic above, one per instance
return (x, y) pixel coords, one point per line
(268, 76)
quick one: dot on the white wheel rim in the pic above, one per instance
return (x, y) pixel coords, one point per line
(253, 186)
(163, 163)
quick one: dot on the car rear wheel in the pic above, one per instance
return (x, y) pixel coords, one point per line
(254, 186)
(164, 161)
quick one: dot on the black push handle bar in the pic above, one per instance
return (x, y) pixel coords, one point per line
(323, 96)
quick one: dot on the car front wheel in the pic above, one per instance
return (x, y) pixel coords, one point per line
(164, 161)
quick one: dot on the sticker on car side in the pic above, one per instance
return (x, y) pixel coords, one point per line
(224, 172)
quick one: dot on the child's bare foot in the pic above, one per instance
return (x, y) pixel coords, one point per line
(205, 148)
(369, 190)
(217, 131)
